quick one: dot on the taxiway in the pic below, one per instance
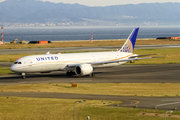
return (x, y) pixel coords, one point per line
(167, 73)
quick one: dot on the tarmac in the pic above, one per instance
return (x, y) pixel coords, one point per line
(166, 73)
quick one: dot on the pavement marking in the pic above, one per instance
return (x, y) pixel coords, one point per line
(136, 102)
(167, 104)
(171, 100)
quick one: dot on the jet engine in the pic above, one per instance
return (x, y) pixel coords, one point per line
(84, 69)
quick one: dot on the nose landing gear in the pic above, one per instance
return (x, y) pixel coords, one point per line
(23, 75)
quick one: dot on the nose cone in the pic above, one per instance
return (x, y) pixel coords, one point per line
(12, 68)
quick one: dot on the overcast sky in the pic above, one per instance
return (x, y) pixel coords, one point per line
(108, 2)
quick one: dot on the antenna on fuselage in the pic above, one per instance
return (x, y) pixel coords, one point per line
(48, 53)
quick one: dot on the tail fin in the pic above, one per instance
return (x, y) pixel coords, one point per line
(130, 42)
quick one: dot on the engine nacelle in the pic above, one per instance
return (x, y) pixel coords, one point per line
(83, 69)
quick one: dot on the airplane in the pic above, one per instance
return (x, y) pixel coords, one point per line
(79, 64)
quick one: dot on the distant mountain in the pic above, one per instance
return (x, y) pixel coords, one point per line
(33, 11)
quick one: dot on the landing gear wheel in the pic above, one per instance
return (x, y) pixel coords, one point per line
(23, 77)
(69, 73)
(92, 74)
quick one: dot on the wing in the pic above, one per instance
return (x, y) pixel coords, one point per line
(122, 60)
(133, 58)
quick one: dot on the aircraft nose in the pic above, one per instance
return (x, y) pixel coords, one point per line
(12, 68)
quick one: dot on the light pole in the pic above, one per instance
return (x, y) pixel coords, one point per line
(74, 107)
(170, 111)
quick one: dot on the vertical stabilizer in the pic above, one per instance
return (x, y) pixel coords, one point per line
(130, 42)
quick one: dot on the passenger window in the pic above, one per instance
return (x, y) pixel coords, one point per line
(19, 63)
(15, 62)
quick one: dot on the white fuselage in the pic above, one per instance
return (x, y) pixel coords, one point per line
(59, 62)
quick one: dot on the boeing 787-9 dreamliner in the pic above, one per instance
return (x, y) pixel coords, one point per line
(80, 64)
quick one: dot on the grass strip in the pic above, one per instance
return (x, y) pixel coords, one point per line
(5, 71)
(125, 89)
(19, 108)
(172, 56)
(12, 57)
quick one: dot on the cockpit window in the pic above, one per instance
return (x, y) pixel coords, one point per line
(18, 63)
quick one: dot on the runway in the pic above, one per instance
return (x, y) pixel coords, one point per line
(76, 49)
(167, 73)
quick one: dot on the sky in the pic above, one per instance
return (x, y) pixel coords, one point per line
(107, 2)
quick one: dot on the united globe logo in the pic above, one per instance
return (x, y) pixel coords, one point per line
(127, 47)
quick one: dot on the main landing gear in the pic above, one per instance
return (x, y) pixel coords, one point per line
(70, 73)
(92, 74)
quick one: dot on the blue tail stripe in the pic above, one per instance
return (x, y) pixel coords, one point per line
(133, 37)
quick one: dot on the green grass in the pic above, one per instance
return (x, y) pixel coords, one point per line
(19, 108)
(126, 89)
(12, 57)
(5, 71)
(172, 56)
